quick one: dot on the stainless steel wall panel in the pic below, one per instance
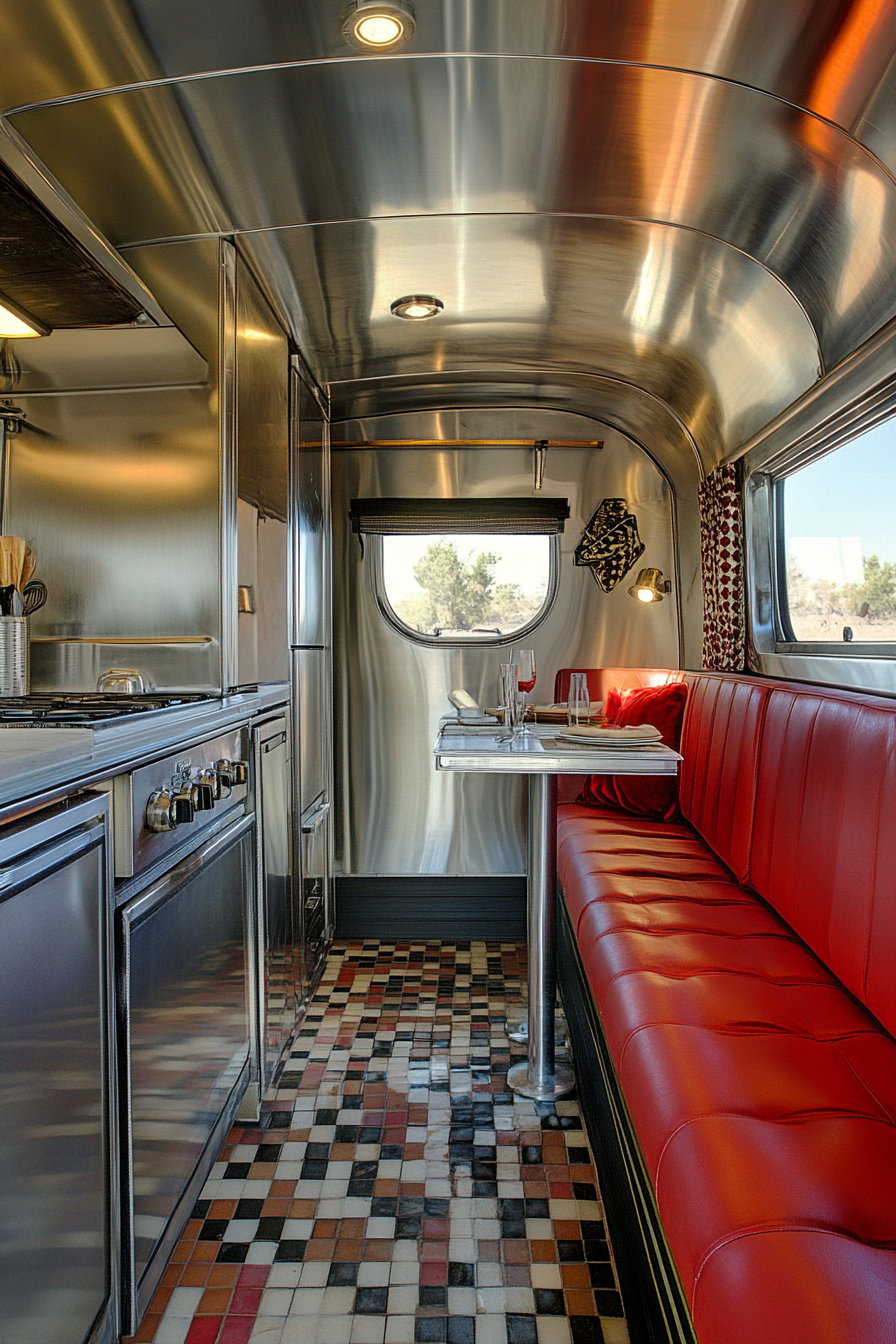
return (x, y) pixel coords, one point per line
(589, 404)
(262, 487)
(118, 494)
(96, 358)
(396, 814)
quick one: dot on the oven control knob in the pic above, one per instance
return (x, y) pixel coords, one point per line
(204, 793)
(240, 772)
(182, 805)
(159, 812)
(226, 778)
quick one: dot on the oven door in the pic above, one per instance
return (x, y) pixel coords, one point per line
(184, 1023)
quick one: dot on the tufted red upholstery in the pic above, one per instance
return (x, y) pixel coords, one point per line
(762, 1090)
(720, 746)
(824, 852)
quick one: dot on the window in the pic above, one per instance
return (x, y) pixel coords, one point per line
(463, 570)
(838, 543)
(469, 586)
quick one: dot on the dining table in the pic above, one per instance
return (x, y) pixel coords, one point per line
(542, 753)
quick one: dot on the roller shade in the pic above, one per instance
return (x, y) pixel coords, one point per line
(416, 517)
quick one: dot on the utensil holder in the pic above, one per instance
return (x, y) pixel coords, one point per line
(14, 661)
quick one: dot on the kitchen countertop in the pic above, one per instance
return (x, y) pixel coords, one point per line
(35, 762)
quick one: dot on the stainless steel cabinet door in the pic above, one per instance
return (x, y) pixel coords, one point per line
(55, 1164)
(186, 1024)
(316, 888)
(277, 935)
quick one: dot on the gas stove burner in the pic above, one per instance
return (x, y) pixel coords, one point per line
(66, 711)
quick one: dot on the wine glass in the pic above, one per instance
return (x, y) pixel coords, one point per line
(525, 661)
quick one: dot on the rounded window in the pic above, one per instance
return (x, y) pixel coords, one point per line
(465, 588)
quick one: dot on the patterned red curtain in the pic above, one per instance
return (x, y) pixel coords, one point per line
(721, 546)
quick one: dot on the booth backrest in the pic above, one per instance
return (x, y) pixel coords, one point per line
(824, 835)
(794, 788)
(720, 745)
(603, 679)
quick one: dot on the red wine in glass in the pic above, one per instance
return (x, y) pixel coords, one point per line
(526, 661)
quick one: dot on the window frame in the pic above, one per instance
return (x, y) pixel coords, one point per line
(785, 640)
(374, 543)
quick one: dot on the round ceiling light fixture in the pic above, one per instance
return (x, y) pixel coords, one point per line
(417, 306)
(379, 25)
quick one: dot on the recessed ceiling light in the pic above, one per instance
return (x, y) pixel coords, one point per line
(379, 25)
(417, 306)
(15, 323)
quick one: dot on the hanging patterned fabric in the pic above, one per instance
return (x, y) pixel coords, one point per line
(721, 548)
(610, 544)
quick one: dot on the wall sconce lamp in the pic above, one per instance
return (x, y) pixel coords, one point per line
(650, 586)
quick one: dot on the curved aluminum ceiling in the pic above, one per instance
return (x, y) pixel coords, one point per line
(689, 200)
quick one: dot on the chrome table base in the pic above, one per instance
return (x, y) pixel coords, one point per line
(540, 1077)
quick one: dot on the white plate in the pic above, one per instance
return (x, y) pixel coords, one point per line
(613, 737)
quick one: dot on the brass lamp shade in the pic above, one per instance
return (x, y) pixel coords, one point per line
(649, 586)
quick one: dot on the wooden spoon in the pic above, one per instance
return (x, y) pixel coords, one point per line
(28, 568)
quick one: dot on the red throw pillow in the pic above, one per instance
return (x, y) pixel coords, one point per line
(641, 795)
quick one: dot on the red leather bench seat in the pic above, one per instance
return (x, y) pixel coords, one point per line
(731, 957)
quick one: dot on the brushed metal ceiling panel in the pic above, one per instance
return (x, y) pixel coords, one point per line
(695, 323)
(597, 400)
(834, 58)
(475, 135)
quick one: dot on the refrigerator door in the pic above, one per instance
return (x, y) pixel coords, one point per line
(312, 698)
(311, 602)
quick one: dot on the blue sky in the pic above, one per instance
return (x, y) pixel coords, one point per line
(849, 493)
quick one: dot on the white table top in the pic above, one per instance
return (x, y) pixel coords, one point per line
(541, 753)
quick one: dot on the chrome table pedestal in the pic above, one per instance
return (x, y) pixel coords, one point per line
(540, 1076)
(543, 755)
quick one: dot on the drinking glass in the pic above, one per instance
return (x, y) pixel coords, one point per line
(525, 661)
(511, 696)
(578, 704)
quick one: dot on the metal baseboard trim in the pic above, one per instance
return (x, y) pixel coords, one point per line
(655, 1304)
(402, 908)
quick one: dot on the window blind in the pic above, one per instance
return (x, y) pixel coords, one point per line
(420, 517)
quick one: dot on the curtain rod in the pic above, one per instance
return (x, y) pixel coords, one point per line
(467, 443)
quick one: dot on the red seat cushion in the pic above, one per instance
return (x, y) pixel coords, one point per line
(644, 796)
(761, 1089)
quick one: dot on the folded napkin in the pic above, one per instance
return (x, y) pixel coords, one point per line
(644, 732)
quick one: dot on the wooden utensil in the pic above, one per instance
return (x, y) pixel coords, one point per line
(12, 558)
(28, 567)
(19, 547)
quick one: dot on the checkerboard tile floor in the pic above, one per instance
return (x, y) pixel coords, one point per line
(394, 1191)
